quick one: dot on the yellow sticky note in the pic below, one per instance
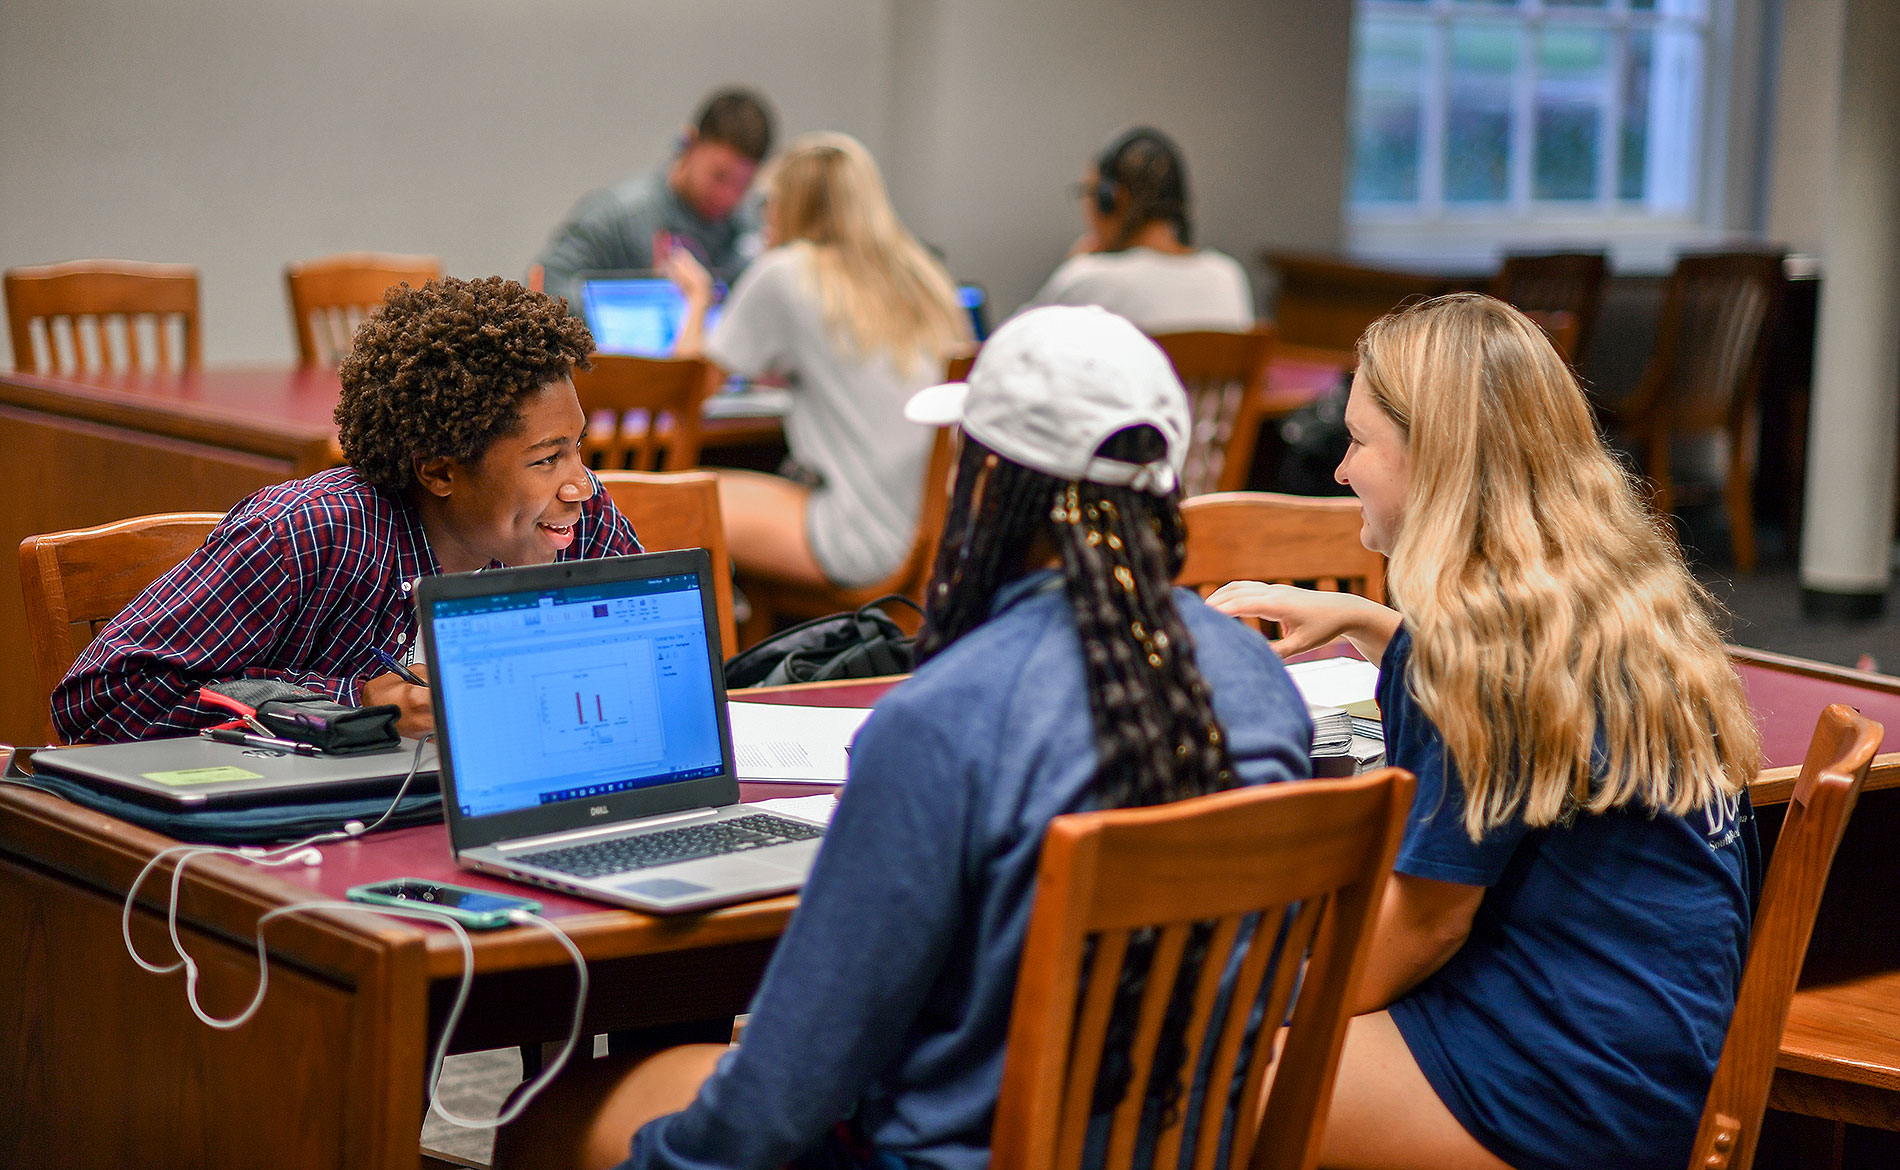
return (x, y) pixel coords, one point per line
(215, 775)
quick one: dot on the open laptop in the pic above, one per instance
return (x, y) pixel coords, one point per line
(581, 714)
(193, 772)
(976, 302)
(637, 312)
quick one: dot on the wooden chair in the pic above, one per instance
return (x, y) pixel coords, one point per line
(1326, 303)
(1705, 377)
(771, 597)
(680, 509)
(644, 414)
(1555, 282)
(89, 297)
(1226, 378)
(1309, 859)
(1265, 536)
(76, 581)
(330, 297)
(1560, 325)
(1824, 795)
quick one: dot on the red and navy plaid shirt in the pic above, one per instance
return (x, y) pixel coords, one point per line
(298, 583)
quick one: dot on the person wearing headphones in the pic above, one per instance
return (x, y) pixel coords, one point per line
(698, 199)
(1137, 257)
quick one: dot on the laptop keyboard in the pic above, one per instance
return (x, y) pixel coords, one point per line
(753, 831)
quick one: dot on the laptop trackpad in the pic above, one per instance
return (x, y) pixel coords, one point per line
(776, 868)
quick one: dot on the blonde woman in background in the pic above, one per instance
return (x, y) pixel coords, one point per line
(1557, 957)
(851, 312)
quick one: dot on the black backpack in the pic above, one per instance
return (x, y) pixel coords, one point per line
(863, 644)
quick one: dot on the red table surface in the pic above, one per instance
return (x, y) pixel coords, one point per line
(1787, 705)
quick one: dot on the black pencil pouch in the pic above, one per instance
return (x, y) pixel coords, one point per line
(292, 712)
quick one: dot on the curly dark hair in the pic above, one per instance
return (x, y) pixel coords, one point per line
(443, 369)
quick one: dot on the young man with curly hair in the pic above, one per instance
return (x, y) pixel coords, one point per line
(462, 431)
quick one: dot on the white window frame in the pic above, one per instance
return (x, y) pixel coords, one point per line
(1473, 235)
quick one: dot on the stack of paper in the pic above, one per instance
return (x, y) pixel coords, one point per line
(1339, 694)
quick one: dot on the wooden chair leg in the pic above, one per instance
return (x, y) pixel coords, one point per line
(1739, 498)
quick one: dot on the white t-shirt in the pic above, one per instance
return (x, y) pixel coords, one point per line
(846, 419)
(1158, 291)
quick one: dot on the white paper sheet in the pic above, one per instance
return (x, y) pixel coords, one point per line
(817, 809)
(776, 742)
(1335, 682)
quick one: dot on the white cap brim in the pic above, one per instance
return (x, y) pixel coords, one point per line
(938, 406)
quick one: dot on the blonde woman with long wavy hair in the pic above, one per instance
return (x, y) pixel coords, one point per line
(850, 311)
(1558, 953)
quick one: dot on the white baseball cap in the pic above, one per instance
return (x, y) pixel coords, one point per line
(1054, 383)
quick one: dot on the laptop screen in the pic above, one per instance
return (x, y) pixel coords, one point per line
(976, 303)
(638, 315)
(575, 692)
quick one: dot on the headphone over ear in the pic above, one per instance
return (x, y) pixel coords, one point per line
(1149, 186)
(1108, 166)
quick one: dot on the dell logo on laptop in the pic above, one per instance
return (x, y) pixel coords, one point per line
(597, 810)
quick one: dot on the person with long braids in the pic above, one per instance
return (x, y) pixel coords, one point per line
(1060, 671)
(1136, 256)
(1557, 957)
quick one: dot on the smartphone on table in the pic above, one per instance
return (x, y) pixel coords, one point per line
(477, 909)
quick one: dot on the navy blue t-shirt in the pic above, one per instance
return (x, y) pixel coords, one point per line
(1581, 1021)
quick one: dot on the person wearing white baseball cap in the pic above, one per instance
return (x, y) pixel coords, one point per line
(1059, 671)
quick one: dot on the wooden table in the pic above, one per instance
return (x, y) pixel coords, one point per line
(106, 1066)
(89, 449)
(103, 1064)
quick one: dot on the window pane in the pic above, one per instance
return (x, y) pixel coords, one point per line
(1478, 123)
(1632, 165)
(1674, 109)
(1387, 81)
(1573, 80)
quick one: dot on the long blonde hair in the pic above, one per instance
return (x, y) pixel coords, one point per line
(878, 289)
(1547, 605)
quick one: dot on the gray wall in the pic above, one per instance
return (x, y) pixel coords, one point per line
(239, 134)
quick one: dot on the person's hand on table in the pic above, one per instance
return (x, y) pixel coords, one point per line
(1309, 619)
(418, 716)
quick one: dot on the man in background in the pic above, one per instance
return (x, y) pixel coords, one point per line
(698, 198)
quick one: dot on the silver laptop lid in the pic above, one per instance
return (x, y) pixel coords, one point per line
(576, 694)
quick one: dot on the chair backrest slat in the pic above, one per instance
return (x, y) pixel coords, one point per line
(1221, 942)
(1098, 1000)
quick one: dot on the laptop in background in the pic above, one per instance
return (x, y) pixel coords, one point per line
(581, 715)
(976, 302)
(638, 312)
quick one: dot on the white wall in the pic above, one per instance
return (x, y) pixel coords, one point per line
(239, 134)
(1807, 110)
(1000, 120)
